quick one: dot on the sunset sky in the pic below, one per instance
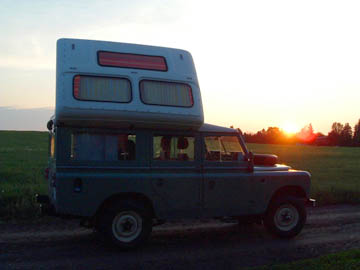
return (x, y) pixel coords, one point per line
(259, 63)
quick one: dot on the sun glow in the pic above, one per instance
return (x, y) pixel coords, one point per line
(290, 128)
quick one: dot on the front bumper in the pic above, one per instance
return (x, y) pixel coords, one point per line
(311, 202)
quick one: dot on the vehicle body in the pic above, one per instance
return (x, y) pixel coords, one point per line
(122, 177)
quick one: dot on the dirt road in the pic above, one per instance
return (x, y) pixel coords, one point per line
(207, 245)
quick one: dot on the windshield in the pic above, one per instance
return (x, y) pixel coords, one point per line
(223, 148)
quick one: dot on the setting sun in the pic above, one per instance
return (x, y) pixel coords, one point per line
(290, 128)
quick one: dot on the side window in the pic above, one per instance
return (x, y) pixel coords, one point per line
(179, 148)
(92, 88)
(166, 93)
(223, 148)
(102, 147)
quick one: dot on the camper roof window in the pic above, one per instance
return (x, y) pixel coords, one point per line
(106, 89)
(166, 93)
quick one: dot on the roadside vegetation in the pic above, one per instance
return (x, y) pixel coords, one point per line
(23, 158)
(348, 260)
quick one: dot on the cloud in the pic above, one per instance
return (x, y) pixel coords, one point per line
(12, 118)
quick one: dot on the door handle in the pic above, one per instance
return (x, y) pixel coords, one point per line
(77, 185)
(211, 184)
(160, 182)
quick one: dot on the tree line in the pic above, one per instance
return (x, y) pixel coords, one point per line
(339, 135)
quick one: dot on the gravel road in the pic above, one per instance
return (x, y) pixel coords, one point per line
(59, 244)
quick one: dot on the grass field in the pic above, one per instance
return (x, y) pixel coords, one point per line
(346, 260)
(23, 157)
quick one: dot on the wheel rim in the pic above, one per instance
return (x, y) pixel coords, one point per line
(286, 217)
(127, 226)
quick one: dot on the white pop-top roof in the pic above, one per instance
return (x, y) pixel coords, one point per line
(77, 57)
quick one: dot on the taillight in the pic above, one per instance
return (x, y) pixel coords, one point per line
(191, 96)
(46, 173)
(76, 86)
(129, 60)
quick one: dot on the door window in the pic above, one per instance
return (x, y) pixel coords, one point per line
(173, 148)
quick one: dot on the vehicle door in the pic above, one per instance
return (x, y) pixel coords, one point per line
(176, 176)
(94, 164)
(226, 177)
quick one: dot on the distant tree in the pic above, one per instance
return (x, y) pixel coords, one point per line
(341, 135)
(310, 128)
(337, 127)
(250, 138)
(258, 137)
(356, 137)
(274, 135)
(335, 133)
(346, 135)
(306, 134)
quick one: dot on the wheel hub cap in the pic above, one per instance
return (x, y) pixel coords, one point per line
(286, 217)
(127, 226)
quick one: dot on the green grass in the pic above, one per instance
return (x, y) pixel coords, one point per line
(335, 170)
(23, 157)
(348, 260)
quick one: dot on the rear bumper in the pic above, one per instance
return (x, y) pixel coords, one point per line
(46, 208)
(42, 199)
(311, 202)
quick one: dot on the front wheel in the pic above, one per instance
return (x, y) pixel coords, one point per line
(126, 224)
(286, 217)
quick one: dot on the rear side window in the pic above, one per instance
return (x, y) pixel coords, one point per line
(91, 88)
(223, 148)
(102, 147)
(175, 148)
(166, 93)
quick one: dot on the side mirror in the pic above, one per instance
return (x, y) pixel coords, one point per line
(50, 125)
(250, 160)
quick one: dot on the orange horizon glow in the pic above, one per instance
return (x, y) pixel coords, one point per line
(290, 129)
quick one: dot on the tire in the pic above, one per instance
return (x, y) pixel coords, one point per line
(286, 217)
(126, 224)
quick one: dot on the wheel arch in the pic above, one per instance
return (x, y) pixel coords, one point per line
(119, 197)
(294, 191)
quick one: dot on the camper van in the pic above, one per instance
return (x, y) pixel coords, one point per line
(129, 149)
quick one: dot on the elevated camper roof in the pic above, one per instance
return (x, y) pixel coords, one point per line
(121, 84)
(114, 58)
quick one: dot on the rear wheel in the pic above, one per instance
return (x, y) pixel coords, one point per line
(286, 217)
(127, 224)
